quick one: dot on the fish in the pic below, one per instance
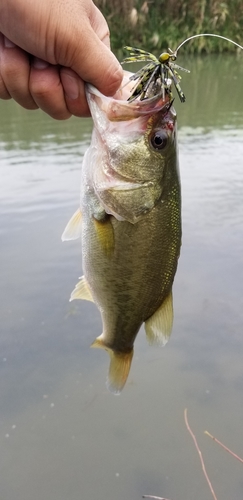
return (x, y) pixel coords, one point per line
(129, 221)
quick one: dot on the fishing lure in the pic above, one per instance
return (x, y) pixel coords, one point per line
(159, 73)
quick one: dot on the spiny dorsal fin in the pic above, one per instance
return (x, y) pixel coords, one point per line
(120, 363)
(105, 235)
(73, 228)
(158, 327)
(81, 291)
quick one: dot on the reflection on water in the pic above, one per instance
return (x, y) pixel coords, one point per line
(62, 435)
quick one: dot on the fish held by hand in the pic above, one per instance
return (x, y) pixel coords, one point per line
(131, 223)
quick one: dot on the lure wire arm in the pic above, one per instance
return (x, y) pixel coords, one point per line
(161, 70)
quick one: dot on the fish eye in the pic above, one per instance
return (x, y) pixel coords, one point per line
(159, 139)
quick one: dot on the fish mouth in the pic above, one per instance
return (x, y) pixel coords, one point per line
(117, 108)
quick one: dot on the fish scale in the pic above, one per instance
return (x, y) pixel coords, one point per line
(130, 224)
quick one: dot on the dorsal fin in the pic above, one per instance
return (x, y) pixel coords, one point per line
(81, 291)
(158, 327)
(120, 363)
(73, 228)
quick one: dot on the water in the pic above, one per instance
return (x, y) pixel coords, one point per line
(62, 435)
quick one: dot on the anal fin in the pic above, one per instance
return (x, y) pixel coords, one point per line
(158, 327)
(81, 291)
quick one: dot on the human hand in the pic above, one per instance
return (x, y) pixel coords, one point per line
(48, 50)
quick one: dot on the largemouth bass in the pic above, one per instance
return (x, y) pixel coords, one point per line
(129, 222)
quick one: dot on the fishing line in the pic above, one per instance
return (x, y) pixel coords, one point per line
(207, 34)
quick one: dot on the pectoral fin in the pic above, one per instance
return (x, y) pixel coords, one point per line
(158, 327)
(130, 202)
(81, 291)
(105, 235)
(120, 363)
(73, 228)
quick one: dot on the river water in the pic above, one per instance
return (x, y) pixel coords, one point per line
(62, 435)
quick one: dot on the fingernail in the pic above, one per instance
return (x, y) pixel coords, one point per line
(39, 63)
(7, 43)
(70, 85)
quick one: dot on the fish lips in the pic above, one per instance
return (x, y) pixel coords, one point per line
(117, 108)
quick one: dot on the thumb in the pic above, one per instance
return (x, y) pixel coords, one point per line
(90, 54)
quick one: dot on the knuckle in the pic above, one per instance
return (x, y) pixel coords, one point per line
(60, 114)
(40, 88)
(4, 94)
(45, 84)
(29, 104)
(81, 111)
(10, 73)
(48, 95)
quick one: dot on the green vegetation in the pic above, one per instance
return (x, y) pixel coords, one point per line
(155, 25)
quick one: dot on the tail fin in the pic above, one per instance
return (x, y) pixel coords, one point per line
(120, 364)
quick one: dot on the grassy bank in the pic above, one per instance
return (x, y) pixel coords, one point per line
(158, 24)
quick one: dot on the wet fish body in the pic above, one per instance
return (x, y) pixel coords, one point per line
(130, 224)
